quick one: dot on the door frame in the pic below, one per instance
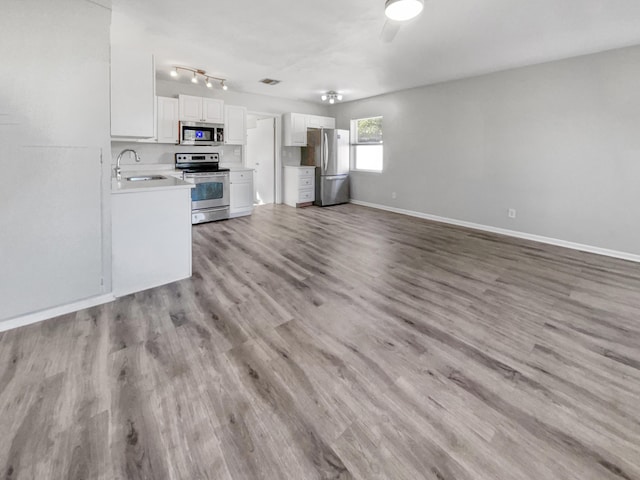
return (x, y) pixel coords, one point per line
(277, 147)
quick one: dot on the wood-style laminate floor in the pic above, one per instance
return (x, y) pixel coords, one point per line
(338, 343)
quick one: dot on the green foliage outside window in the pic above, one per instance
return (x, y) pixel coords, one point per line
(369, 130)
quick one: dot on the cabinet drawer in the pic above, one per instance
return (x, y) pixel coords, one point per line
(307, 195)
(306, 172)
(306, 182)
(241, 177)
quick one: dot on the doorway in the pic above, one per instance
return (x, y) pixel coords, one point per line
(261, 156)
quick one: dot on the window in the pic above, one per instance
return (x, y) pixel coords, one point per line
(366, 140)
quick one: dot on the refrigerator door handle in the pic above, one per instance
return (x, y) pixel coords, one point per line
(325, 152)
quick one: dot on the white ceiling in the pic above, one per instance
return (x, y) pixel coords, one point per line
(314, 46)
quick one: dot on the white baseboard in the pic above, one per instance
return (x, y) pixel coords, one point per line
(36, 317)
(510, 233)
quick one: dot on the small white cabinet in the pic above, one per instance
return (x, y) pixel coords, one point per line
(168, 120)
(316, 121)
(240, 193)
(294, 127)
(201, 109)
(151, 240)
(133, 94)
(235, 125)
(299, 186)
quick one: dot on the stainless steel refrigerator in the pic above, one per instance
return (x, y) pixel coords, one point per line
(328, 150)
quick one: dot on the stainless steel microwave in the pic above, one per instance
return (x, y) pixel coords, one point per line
(197, 133)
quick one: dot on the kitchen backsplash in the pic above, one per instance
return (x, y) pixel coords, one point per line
(164, 154)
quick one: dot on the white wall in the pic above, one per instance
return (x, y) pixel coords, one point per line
(54, 126)
(559, 142)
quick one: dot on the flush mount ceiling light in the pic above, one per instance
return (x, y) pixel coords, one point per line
(197, 72)
(401, 10)
(331, 96)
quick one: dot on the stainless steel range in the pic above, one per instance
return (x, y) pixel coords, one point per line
(210, 197)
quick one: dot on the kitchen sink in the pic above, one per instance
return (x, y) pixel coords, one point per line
(145, 178)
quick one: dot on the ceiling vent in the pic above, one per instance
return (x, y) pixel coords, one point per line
(269, 81)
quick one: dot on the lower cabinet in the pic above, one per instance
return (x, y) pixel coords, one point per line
(299, 186)
(151, 241)
(241, 193)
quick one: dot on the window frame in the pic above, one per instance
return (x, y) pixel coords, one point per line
(356, 143)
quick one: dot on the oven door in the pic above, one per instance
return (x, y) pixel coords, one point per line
(212, 190)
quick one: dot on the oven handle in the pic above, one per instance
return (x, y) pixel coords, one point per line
(208, 175)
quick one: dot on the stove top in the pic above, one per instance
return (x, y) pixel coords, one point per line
(199, 162)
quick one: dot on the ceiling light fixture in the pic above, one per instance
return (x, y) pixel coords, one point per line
(197, 72)
(401, 10)
(331, 96)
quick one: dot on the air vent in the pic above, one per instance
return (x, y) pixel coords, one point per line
(270, 81)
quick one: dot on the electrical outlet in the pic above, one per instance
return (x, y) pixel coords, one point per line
(511, 213)
(394, 195)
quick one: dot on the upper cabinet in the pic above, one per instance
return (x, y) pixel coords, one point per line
(316, 121)
(295, 127)
(168, 120)
(133, 94)
(201, 109)
(212, 110)
(235, 125)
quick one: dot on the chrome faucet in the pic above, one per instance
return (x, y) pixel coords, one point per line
(118, 169)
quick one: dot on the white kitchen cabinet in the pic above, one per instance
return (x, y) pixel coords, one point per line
(201, 109)
(168, 120)
(133, 90)
(235, 125)
(151, 241)
(212, 110)
(299, 186)
(294, 128)
(240, 193)
(316, 121)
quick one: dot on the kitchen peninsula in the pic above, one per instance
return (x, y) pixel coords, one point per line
(151, 224)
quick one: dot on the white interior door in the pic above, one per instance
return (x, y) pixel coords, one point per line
(261, 157)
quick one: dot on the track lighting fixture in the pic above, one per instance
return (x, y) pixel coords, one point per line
(331, 96)
(197, 72)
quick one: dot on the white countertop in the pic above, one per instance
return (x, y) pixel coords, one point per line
(167, 183)
(234, 168)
